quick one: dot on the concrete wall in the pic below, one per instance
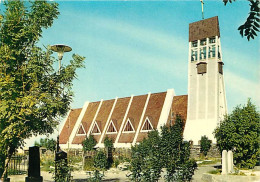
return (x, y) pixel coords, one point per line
(207, 100)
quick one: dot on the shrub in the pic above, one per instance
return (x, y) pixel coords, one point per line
(240, 132)
(100, 163)
(205, 145)
(100, 160)
(89, 164)
(89, 143)
(163, 151)
(49, 144)
(63, 171)
(108, 142)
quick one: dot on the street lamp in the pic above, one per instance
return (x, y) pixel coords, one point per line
(60, 49)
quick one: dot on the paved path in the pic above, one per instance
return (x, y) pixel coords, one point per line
(111, 175)
(115, 175)
(202, 169)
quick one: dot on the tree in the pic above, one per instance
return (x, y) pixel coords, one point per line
(240, 132)
(179, 166)
(49, 144)
(205, 145)
(89, 143)
(165, 150)
(32, 94)
(100, 163)
(108, 142)
(251, 26)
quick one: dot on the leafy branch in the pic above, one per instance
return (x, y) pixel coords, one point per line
(250, 28)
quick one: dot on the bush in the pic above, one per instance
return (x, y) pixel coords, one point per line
(240, 132)
(108, 142)
(100, 163)
(89, 143)
(89, 164)
(100, 160)
(49, 144)
(205, 145)
(163, 151)
(62, 172)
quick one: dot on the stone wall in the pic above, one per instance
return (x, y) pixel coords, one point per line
(126, 152)
(213, 151)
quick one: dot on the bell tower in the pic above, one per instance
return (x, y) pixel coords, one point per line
(206, 91)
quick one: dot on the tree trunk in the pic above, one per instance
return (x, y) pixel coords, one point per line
(83, 160)
(10, 153)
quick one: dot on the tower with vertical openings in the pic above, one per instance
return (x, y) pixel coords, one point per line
(206, 91)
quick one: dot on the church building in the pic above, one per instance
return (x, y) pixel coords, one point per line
(128, 120)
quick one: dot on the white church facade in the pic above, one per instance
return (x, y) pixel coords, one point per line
(128, 120)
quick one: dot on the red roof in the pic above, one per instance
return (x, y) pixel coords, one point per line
(136, 109)
(69, 125)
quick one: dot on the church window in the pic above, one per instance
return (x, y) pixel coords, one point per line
(219, 56)
(194, 55)
(111, 128)
(203, 53)
(147, 126)
(201, 68)
(194, 43)
(128, 127)
(212, 51)
(212, 40)
(81, 130)
(95, 129)
(203, 42)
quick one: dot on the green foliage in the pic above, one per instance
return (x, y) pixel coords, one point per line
(215, 171)
(108, 142)
(163, 151)
(89, 143)
(89, 164)
(32, 94)
(211, 161)
(46, 163)
(100, 164)
(251, 26)
(100, 160)
(63, 171)
(97, 177)
(49, 144)
(205, 145)
(240, 132)
(146, 163)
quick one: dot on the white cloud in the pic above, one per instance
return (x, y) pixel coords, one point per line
(141, 46)
(162, 41)
(239, 89)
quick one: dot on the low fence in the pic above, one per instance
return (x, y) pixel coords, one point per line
(18, 165)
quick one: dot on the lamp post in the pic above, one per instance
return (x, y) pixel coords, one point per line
(60, 49)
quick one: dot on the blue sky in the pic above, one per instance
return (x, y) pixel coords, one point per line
(142, 46)
(139, 47)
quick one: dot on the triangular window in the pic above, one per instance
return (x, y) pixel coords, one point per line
(111, 128)
(81, 130)
(129, 127)
(95, 129)
(147, 126)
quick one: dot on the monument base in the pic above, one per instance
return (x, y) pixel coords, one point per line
(34, 179)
